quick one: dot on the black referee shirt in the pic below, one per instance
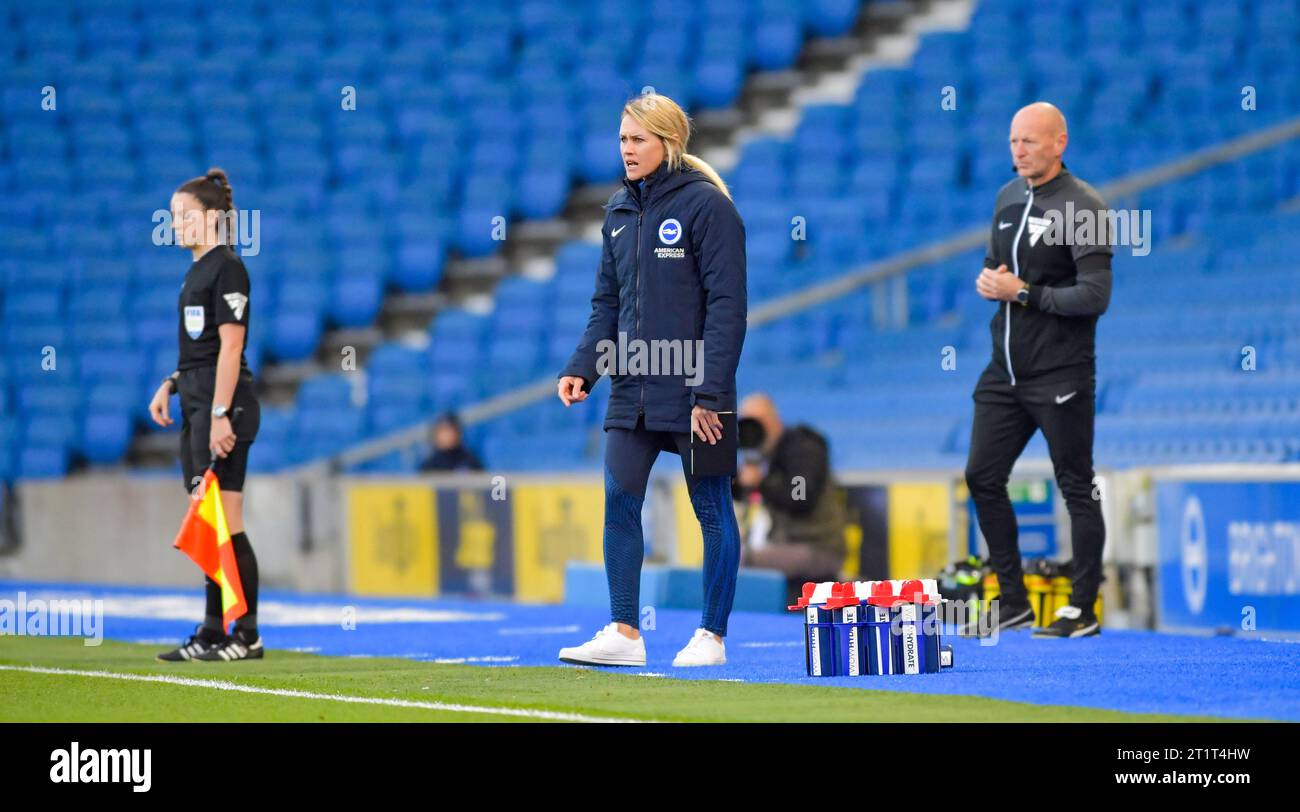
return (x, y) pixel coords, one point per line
(215, 293)
(1033, 233)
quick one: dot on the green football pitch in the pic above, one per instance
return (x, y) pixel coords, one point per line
(60, 680)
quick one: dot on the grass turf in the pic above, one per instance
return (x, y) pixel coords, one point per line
(58, 697)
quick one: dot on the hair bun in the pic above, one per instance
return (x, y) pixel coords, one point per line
(218, 176)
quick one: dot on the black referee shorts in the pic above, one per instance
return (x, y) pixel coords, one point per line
(1006, 418)
(196, 387)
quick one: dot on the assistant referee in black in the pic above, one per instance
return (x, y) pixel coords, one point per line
(1051, 291)
(219, 410)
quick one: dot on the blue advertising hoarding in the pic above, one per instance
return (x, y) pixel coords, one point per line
(1229, 555)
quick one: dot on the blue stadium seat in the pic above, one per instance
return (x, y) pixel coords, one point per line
(320, 432)
(294, 335)
(42, 462)
(122, 365)
(105, 436)
(356, 298)
(50, 431)
(355, 202)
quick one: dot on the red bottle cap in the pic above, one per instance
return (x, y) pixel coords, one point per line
(882, 594)
(808, 589)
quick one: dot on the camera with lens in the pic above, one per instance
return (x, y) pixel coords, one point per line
(750, 441)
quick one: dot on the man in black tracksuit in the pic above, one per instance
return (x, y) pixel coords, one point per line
(1051, 289)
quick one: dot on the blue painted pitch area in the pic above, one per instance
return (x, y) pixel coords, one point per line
(1129, 671)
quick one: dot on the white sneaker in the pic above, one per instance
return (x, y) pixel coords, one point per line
(704, 649)
(608, 647)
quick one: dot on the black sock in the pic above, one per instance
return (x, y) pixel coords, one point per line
(247, 564)
(213, 628)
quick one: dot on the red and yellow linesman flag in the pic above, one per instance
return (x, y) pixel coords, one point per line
(205, 538)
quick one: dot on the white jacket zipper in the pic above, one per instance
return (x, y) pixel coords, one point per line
(637, 286)
(1015, 264)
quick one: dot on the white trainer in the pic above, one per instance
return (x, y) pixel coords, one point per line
(704, 649)
(607, 647)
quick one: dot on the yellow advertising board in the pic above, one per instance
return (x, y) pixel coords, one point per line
(555, 524)
(920, 515)
(392, 540)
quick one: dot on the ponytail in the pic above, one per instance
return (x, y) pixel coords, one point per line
(702, 166)
(218, 177)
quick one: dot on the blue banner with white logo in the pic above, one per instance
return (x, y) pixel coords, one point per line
(1229, 555)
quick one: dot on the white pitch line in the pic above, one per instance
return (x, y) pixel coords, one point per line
(462, 660)
(509, 630)
(180, 606)
(774, 644)
(224, 685)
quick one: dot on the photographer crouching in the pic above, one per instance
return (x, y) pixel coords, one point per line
(792, 515)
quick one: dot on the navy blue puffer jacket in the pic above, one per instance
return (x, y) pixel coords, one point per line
(672, 268)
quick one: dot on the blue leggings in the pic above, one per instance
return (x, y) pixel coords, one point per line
(629, 454)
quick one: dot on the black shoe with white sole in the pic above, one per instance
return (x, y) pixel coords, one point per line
(202, 641)
(1070, 622)
(1010, 617)
(239, 646)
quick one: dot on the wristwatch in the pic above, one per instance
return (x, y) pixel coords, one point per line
(220, 411)
(1022, 295)
(171, 381)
